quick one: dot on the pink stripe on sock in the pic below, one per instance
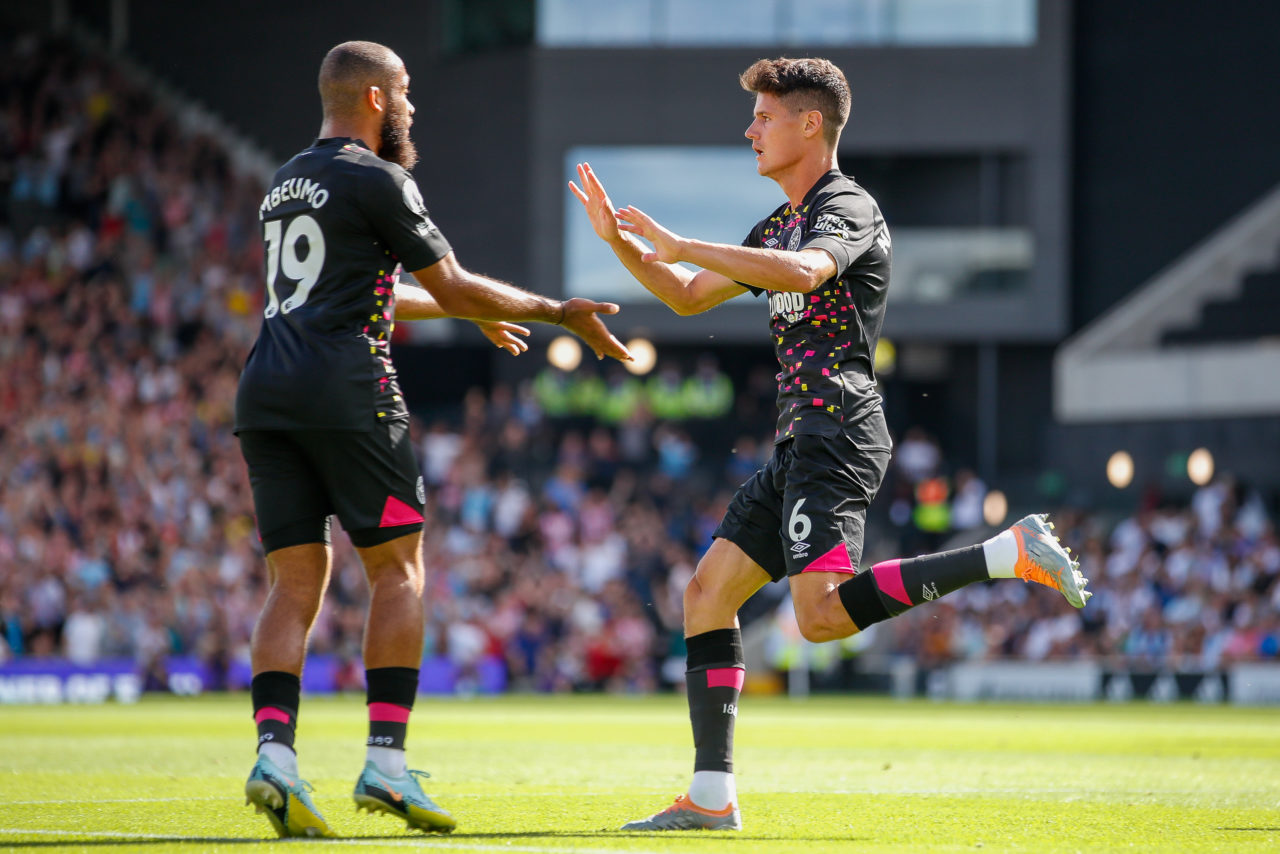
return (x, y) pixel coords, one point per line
(726, 677)
(267, 713)
(836, 560)
(388, 712)
(889, 580)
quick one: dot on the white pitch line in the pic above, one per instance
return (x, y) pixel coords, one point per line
(102, 833)
(104, 801)
(940, 792)
(231, 798)
(417, 842)
(478, 846)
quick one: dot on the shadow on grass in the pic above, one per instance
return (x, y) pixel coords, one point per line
(69, 841)
(700, 836)
(550, 836)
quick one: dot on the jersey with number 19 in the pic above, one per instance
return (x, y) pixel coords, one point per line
(338, 224)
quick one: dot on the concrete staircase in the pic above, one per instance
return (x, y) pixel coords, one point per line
(1201, 339)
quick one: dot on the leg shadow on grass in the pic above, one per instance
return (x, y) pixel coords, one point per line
(70, 841)
(124, 840)
(672, 835)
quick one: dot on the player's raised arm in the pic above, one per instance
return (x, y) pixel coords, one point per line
(682, 290)
(770, 269)
(394, 205)
(416, 303)
(461, 293)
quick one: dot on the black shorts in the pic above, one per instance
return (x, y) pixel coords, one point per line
(369, 480)
(806, 510)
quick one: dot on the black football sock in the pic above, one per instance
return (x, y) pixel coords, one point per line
(893, 586)
(714, 681)
(390, 695)
(275, 697)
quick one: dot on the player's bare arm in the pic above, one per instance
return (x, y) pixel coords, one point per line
(415, 303)
(771, 269)
(462, 293)
(682, 290)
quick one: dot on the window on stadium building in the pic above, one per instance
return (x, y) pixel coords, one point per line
(711, 192)
(475, 26)
(960, 222)
(687, 23)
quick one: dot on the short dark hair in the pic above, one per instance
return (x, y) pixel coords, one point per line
(350, 69)
(808, 84)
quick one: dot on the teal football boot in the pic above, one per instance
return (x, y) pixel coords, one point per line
(285, 800)
(401, 797)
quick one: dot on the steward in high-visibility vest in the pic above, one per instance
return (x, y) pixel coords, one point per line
(666, 395)
(708, 393)
(623, 396)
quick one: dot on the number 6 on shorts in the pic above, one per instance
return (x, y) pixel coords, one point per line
(799, 526)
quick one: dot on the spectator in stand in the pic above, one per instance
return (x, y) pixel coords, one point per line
(917, 456)
(708, 393)
(966, 502)
(558, 544)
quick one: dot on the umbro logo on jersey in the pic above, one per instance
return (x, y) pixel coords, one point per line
(929, 592)
(800, 549)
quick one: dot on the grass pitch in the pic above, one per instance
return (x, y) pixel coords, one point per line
(560, 774)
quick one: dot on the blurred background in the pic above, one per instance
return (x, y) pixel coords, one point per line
(1084, 319)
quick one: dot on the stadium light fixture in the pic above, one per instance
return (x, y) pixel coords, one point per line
(1200, 466)
(1120, 469)
(644, 356)
(564, 353)
(995, 507)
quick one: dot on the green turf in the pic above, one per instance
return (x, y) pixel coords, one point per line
(560, 774)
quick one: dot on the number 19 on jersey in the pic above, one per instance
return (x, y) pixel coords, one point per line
(283, 257)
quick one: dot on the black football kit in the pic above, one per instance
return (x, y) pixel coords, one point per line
(806, 509)
(322, 423)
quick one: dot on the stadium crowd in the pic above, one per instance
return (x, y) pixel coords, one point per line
(1189, 587)
(129, 293)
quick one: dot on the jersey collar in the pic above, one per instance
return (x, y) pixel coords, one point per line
(341, 140)
(822, 181)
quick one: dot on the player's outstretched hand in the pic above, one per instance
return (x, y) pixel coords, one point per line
(596, 202)
(666, 243)
(504, 334)
(581, 317)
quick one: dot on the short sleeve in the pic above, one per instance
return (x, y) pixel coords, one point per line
(845, 225)
(399, 216)
(752, 241)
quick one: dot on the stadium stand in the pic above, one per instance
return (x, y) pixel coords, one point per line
(1254, 313)
(129, 267)
(1136, 363)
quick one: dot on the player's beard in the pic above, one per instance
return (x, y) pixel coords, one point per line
(396, 144)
